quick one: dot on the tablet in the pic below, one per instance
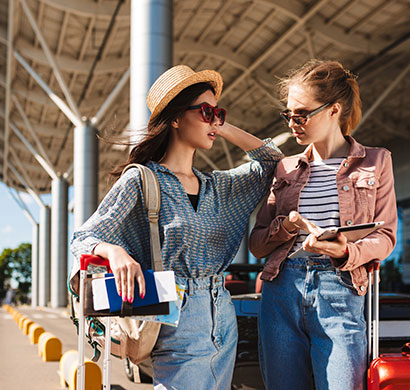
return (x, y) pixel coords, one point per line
(352, 233)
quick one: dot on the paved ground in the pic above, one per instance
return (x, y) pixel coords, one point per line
(22, 368)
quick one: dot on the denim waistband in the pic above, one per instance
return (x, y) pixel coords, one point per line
(311, 261)
(194, 284)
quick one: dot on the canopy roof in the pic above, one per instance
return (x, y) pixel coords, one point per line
(250, 42)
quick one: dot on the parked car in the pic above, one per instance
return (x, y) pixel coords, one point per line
(243, 283)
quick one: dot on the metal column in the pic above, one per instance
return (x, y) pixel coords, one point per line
(85, 173)
(34, 266)
(151, 53)
(59, 217)
(44, 257)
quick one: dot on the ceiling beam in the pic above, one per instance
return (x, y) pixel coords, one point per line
(7, 102)
(350, 41)
(227, 55)
(31, 130)
(49, 169)
(223, 53)
(17, 198)
(24, 178)
(383, 95)
(275, 45)
(71, 65)
(72, 116)
(101, 9)
(51, 60)
(36, 96)
(43, 130)
(291, 8)
(111, 97)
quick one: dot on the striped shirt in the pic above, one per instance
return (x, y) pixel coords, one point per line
(318, 200)
(194, 243)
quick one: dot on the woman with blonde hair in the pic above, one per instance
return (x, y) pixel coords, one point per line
(312, 327)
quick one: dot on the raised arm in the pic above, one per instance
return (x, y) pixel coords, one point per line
(239, 137)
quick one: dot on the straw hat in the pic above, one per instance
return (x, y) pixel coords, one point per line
(174, 80)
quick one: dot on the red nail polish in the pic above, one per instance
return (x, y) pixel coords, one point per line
(142, 296)
(130, 300)
(124, 299)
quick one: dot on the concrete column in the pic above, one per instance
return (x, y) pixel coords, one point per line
(59, 219)
(44, 257)
(150, 53)
(85, 173)
(34, 266)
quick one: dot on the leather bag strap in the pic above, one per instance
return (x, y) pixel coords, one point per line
(152, 203)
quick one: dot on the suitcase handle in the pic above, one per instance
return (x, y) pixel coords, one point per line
(86, 260)
(373, 269)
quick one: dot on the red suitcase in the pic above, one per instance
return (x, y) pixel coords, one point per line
(389, 371)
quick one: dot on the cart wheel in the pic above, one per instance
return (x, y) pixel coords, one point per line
(129, 369)
(134, 373)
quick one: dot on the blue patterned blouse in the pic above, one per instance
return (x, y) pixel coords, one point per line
(194, 243)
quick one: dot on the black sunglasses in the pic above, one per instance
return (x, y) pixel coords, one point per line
(209, 112)
(302, 119)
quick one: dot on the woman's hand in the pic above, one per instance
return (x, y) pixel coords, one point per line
(336, 248)
(125, 270)
(295, 221)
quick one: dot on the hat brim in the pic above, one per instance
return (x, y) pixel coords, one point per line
(205, 76)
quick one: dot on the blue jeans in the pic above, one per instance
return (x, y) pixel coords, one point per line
(312, 329)
(200, 353)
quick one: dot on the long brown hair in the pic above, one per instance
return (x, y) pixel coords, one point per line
(330, 83)
(154, 145)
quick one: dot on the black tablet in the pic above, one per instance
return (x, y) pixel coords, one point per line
(352, 233)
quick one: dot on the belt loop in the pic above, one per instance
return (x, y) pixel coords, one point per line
(223, 282)
(190, 287)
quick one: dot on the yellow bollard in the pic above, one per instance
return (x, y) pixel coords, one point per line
(21, 320)
(49, 347)
(26, 325)
(16, 316)
(35, 332)
(68, 372)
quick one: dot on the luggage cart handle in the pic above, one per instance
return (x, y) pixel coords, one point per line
(373, 266)
(86, 260)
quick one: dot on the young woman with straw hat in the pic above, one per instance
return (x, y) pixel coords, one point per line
(202, 220)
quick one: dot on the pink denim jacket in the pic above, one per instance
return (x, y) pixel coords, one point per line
(365, 184)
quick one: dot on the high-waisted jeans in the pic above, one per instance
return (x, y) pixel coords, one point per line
(312, 329)
(200, 353)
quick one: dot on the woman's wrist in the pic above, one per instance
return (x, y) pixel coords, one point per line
(343, 256)
(106, 250)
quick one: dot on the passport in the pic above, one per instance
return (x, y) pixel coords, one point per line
(159, 287)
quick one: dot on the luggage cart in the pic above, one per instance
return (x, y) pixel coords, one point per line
(85, 261)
